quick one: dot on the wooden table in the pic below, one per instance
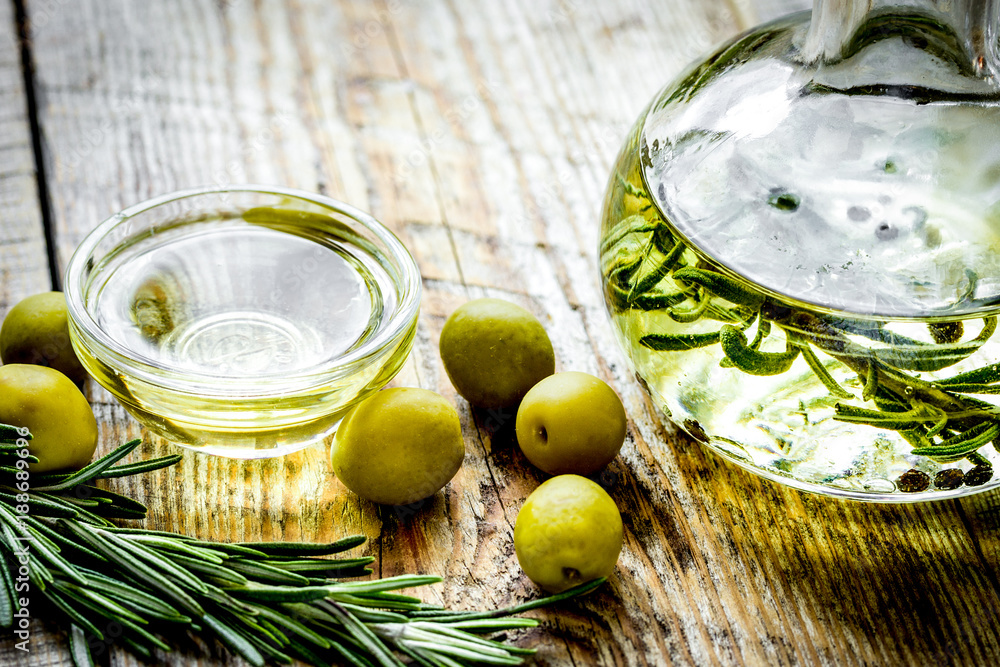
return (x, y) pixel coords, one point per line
(482, 133)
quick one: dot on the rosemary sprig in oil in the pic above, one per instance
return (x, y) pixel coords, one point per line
(647, 268)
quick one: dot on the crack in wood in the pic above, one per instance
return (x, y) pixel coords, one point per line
(23, 29)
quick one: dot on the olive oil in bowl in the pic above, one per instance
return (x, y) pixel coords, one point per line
(247, 323)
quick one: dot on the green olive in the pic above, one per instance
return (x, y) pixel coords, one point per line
(494, 351)
(36, 331)
(398, 446)
(62, 425)
(568, 532)
(571, 423)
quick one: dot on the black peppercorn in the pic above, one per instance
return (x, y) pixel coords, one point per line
(946, 332)
(913, 481)
(979, 475)
(951, 478)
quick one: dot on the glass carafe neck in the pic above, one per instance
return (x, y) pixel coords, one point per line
(962, 33)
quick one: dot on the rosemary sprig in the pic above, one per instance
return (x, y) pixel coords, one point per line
(148, 590)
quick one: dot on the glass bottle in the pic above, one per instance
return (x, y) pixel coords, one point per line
(800, 248)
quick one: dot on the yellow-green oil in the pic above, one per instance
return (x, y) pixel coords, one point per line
(784, 421)
(237, 323)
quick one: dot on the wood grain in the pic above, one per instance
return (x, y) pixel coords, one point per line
(24, 267)
(23, 262)
(482, 134)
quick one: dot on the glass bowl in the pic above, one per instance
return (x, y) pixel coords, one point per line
(242, 321)
(800, 249)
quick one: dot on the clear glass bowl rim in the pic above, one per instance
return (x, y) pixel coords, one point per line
(400, 322)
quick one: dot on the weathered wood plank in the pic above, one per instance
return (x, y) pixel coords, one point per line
(24, 267)
(483, 133)
(23, 263)
(719, 616)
